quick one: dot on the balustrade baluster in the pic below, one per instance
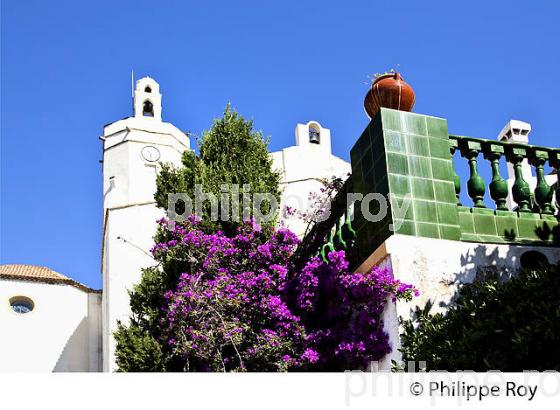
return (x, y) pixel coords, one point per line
(339, 242)
(328, 247)
(554, 158)
(520, 190)
(456, 180)
(498, 186)
(543, 191)
(348, 233)
(475, 184)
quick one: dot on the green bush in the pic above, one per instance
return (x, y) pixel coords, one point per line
(492, 325)
(231, 152)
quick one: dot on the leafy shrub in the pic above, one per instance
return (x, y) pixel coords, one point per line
(230, 153)
(492, 325)
(238, 306)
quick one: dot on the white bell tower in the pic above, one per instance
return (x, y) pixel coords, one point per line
(147, 99)
(303, 167)
(133, 149)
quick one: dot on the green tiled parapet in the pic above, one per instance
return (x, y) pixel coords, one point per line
(494, 226)
(405, 157)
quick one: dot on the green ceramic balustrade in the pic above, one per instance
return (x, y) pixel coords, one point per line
(543, 191)
(498, 186)
(341, 237)
(328, 247)
(520, 190)
(408, 159)
(334, 233)
(531, 218)
(554, 158)
(538, 202)
(456, 179)
(475, 185)
(338, 240)
(347, 232)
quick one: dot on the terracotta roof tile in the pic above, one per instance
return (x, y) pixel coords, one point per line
(39, 274)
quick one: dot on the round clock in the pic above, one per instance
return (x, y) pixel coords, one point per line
(150, 153)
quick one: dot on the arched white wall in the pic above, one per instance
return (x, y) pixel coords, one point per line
(61, 333)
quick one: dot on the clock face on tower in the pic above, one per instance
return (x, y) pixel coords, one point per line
(150, 153)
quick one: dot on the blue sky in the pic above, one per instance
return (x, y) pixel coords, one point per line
(66, 72)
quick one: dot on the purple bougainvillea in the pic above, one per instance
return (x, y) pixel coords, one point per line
(240, 306)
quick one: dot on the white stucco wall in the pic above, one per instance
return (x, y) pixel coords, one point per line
(128, 239)
(62, 332)
(437, 266)
(302, 167)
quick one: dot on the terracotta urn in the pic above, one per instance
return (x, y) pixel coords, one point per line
(389, 91)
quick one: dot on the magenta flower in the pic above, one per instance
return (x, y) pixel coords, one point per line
(310, 355)
(238, 305)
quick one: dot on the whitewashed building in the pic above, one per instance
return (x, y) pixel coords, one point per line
(304, 168)
(51, 323)
(133, 148)
(75, 323)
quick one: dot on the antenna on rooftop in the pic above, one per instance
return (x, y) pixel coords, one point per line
(132, 88)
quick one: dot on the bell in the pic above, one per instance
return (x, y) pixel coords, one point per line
(314, 137)
(148, 109)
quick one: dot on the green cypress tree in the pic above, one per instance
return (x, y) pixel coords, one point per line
(231, 152)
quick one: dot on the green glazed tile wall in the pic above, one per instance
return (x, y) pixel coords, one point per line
(420, 167)
(405, 157)
(493, 226)
(369, 175)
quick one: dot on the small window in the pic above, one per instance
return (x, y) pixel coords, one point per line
(314, 135)
(148, 110)
(21, 304)
(147, 89)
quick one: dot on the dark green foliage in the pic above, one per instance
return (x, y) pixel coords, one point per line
(138, 350)
(230, 153)
(493, 325)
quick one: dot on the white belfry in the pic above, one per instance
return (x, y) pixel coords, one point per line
(304, 168)
(133, 149)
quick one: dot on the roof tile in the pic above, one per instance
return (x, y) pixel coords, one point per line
(38, 274)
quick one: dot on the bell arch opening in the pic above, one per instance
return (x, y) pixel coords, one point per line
(148, 109)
